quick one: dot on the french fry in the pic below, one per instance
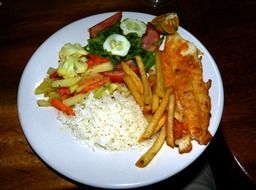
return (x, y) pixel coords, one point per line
(155, 102)
(159, 77)
(146, 86)
(148, 116)
(137, 96)
(147, 108)
(170, 121)
(152, 80)
(160, 124)
(156, 117)
(146, 158)
(136, 79)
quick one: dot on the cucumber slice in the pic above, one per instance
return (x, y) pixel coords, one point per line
(129, 25)
(117, 44)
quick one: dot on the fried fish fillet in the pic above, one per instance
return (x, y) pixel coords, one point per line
(182, 69)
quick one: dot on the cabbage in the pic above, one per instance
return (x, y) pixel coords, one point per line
(72, 60)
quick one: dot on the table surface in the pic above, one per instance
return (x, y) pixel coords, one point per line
(226, 28)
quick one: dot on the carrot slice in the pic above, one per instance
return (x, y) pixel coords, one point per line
(95, 85)
(62, 107)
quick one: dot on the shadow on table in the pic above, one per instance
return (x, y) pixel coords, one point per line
(226, 171)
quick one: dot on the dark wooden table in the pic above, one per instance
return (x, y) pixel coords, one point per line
(226, 28)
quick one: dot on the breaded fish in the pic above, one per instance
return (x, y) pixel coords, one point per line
(182, 69)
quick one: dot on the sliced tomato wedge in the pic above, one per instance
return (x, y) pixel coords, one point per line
(95, 59)
(110, 21)
(151, 38)
(117, 74)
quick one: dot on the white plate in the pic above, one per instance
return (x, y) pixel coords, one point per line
(63, 153)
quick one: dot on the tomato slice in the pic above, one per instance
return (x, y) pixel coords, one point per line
(110, 21)
(118, 74)
(95, 59)
(115, 76)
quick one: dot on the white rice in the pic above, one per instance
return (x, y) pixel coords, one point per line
(112, 123)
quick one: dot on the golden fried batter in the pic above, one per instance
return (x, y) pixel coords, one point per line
(182, 71)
